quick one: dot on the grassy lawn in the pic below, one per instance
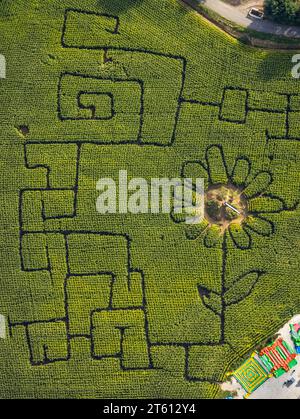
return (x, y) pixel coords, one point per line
(139, 305)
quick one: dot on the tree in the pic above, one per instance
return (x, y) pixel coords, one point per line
(282, 11)
(213, 209)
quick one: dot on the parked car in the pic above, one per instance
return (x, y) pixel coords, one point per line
(289, 383)
(256, 14)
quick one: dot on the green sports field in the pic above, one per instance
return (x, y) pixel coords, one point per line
(139, 306)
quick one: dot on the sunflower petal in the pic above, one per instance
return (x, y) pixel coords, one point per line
(260, 226)
(240, 171)
(194, 170)
(266, 204)
(178, 217)
(240, 238)
(213, 236)
(258, 185)
(193, 231)
(216, 165)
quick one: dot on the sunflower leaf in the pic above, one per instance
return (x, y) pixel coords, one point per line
(211, 300)
(242, 287)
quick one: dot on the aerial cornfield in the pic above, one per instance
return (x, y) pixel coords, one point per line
(127, 305)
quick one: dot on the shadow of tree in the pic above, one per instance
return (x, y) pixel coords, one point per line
(235, 2)
(275, 66)
(117, 6)
(5, 8)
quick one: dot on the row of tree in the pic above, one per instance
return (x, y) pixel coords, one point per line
(283, 11)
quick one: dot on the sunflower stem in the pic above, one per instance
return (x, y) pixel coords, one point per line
(223, 287)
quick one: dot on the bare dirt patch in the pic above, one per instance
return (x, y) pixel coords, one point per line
(225, 204)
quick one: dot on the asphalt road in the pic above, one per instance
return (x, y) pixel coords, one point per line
(240, 17)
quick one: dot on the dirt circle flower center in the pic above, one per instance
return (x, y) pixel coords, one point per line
(225, 204)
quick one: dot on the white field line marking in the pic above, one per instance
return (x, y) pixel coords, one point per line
(2, 327)
(233, 209)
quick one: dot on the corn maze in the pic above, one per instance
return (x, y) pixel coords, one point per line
(140, 306)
